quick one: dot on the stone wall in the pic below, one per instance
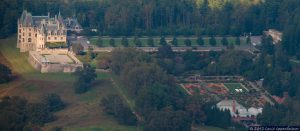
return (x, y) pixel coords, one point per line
(35, 59)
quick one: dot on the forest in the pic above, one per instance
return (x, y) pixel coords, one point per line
(149, 78)
(167, 17)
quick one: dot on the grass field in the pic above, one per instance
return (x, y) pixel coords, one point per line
(82, 112)
(94, 40)
(233, 86)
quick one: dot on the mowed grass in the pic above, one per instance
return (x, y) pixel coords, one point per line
(17, 60)
(233, 86)
(19, 64)
(82, 113)
(106, 41)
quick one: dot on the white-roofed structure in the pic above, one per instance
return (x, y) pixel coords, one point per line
(237, 109)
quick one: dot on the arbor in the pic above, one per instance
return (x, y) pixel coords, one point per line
(212, 41)
(200, 41)
(124, 42)
(5, 74)
(86, 76)
(188, 42)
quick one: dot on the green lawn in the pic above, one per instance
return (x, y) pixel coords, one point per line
(94, 41)
(33, 85)
(18, 61)
(233, 86)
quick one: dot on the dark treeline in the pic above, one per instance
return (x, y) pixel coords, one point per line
(161, 17)
(17, 114)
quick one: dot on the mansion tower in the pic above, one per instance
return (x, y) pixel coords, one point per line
(36, 33)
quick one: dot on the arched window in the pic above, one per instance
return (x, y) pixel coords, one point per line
(29, 39)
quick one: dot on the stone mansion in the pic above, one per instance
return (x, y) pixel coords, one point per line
(45, 38)
(36, 33)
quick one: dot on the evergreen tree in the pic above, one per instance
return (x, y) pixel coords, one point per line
(162, 41)
(137, 42)
(200, 41)
(112, 42)
(237, 41)
(248, 40)
(212, 41)
(124, 42)
(224, 41)
(100, 41)
(150, 42)
(174, 41)
(187, 42)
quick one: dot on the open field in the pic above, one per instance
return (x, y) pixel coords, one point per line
(94, 41)
(235, 87)
(82, 112)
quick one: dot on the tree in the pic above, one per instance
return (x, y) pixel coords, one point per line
(224, 41)
(150, 42)
(163, 41)
(272, 115)
(89, 55)
(212, 41)
(216, 117)
(168, 120)
(77, 49)
(114, 105)
(174, 41)
(237, 41)
(165, 51)
(124, 42)
(5, 74)
(248, 40)
(38, 113)
(112, 42)
(53, 102)
(100, 41)
(200, 41)
(188, 42)
(137, 42)
(267, 46)
(12, 113)
(86, 76)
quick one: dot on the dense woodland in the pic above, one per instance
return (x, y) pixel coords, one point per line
(167, 17)
(149, 78)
